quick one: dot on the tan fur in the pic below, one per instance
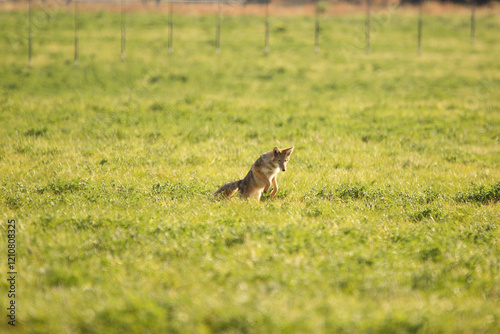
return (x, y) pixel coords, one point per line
(262, 175)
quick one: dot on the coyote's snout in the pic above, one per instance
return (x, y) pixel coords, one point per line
(263, 173)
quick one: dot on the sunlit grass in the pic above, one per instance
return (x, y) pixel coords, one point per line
(386, 219)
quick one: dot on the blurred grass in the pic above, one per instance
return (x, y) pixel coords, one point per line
(386, 221)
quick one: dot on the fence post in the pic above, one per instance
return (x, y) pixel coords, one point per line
(367, 27)
(217, 29)
(420, 24)
(473, 22)
(30, 36)
(267, 49)
(76, 33)
(123, 29)
(317, 29)
(171, 27)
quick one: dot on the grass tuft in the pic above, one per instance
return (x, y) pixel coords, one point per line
(480, 194)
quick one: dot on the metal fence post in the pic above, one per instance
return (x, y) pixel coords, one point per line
(267, 49)
(420, 24)
(473, 22)
(30, 35)
(367, 27)
(76, 33)
(171, 27)
(317, 28)
(217, 28)
(123, 30)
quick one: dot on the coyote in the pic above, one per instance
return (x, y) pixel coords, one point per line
(263, 172)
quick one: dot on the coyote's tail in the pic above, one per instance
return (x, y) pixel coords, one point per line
(228, 189)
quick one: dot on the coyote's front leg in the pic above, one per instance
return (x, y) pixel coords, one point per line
(266, 189)
(263, 179)
(275, 186)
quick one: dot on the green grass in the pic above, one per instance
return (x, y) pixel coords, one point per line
(386, 221)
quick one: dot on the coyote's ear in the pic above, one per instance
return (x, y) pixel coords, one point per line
(276, 151)
(288, 150)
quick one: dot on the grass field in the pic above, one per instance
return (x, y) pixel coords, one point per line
(386, 221)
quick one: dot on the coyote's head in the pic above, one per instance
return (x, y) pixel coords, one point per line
(282, 156)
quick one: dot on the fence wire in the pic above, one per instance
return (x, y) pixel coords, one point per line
(217, 5)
